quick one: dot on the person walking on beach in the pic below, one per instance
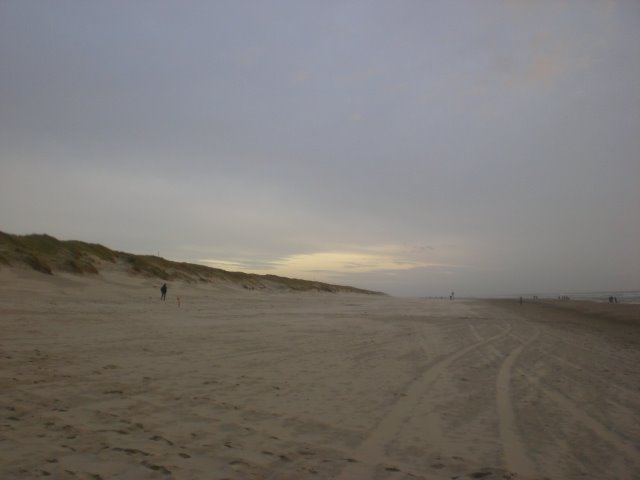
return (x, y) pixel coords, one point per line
(163, 290)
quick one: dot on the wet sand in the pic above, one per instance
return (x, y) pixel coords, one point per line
(101, 380)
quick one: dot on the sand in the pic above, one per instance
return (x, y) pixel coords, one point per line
(101, 380)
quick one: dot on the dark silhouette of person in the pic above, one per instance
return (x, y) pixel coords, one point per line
(163, 290)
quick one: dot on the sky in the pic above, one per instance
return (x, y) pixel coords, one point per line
(412, 147)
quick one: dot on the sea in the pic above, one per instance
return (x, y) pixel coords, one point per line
(632, 296)
(627, 296)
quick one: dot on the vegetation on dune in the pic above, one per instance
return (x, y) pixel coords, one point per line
(36, 263)
(302, 285)
(46, 254)
(4, 260)
(94, 249)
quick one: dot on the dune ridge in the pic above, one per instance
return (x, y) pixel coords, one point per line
(46, 254)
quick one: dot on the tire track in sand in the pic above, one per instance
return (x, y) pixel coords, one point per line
(514, 451)
(515, 456)
(371, 451)
(626, 448)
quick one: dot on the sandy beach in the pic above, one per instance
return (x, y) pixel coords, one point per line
(102, 380)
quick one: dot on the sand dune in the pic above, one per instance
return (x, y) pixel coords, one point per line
(101, 380)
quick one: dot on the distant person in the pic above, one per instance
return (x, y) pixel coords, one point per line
(615, 299)
(610, 299)
(163, 291)
(520, 300)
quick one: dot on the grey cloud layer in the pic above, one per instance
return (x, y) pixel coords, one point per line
(261, 130)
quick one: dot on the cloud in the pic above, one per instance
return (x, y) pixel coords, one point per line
(250, 57)
(543, 68)
(300, 77)
(560, 49)
(243, 264)
(487, 146)
(336, 264)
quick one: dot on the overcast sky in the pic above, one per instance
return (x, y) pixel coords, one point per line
(414, 147)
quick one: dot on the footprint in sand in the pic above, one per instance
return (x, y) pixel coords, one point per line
(157, 468)
(131, 451)
(157, 438)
